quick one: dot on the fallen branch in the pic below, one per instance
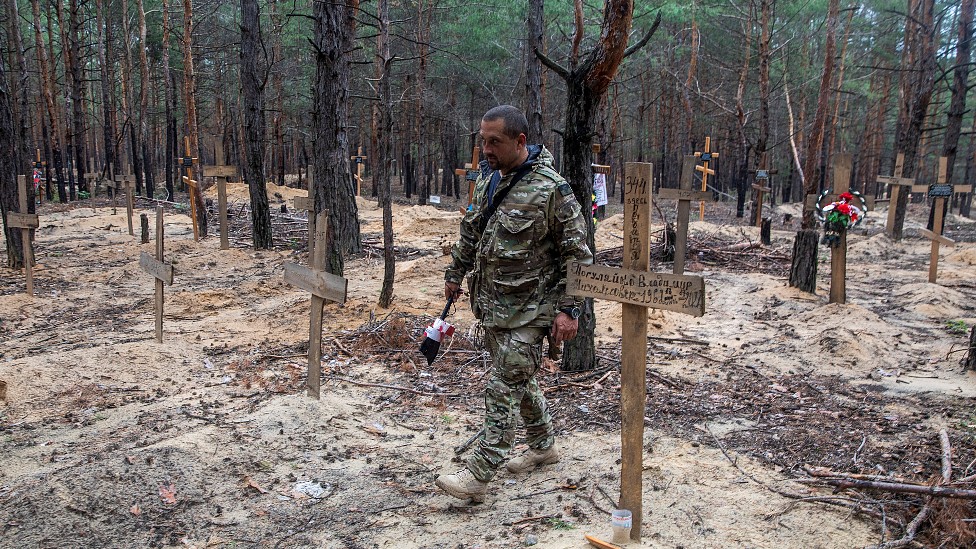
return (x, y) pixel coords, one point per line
(394, 387)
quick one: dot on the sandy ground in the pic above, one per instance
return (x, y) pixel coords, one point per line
(109, 439)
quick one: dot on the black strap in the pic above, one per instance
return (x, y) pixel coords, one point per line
(494, 203)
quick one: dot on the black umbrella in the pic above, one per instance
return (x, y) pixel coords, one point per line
(435, 333)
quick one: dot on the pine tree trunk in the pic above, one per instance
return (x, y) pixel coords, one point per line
(74, 66)
(169, 100)
(957, 104)
(384, 152)
(803, 271)
(334, 189)
(189, 99)
(108, 101)
(143, 124)
(253, 69)
(9, 199)
(19, 91)
(533, 72)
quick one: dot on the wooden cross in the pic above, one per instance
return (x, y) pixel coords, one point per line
(126, 183)
(941, 191)
(359, 159)
(162, 272)
(91, 180)
(38, 166)
(308, 204)
(220, 172)
(25, 221)
(324, 287)
(843, 164)
(684, 195)
(706, 156)
(761, 187)
(470, 173)
(637, 289)
(187, 162)
(896, 182)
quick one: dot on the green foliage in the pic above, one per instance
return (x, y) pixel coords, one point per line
(957, 327)
(559, 524)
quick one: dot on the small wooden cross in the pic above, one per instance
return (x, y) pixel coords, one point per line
(307, 203)
(126, 183)
(941, 191)
(636, 289)
(470, 173)
(323, 287)
(706, 156)
(221, 172)
(684, 195)
(161, 272)
(187, 163)
(761, 187)
(91, 180)
(25, 221)
(39, 166)
(359, 160)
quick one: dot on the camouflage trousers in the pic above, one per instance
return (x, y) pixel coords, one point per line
(512, 390)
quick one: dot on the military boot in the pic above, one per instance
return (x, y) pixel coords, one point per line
(463, 485)
(533, 457)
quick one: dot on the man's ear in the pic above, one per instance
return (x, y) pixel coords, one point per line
(521, 140)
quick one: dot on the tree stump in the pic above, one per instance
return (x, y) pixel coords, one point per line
(765, 231)
(144, 221)
(803, 271)
(970, 363)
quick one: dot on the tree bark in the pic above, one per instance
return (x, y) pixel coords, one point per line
(334, 189)
(170, 104)
(189, 89)
(47, 90)
(106, 73)
(533, 72)
(253, 76)
(587, 81)
(384, 152)
(803, 270)
(74, 67)
(19, 76)
(9, 199)
(143, 124)
(918, 83)
(960, 77)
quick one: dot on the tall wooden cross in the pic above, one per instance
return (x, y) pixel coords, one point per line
(470, 173)
(684, 195)
(220, 172)
(359, 160)
(761, 187)
(637, 289)
(323, 287)
(125, 181)
(941, 192)
(187, 163)
(25, 221)
(896, 182)
(161, 272)
(706, 157)
(92, 178)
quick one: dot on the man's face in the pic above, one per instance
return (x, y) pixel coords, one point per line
(503, 153)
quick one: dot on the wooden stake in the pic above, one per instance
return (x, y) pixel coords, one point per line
(359, 159)
(843, 163)
(188, 164)
(941, 192)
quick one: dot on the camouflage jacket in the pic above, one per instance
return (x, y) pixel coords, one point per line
(517, 258)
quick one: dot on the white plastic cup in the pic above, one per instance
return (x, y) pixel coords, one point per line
(621, 521)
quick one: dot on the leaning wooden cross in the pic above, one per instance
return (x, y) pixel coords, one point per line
(684, 195)
(637, 289)
(941, 191)
(706, 157)
(25, 222)
(187, 163)
(162, 272)
(359, 159)
(470, 173)
(125, 181)
(324, 287)
(221, 172)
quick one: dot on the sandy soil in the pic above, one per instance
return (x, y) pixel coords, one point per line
(109, 439)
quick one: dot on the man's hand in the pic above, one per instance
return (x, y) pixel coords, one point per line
(452, 291)
(564, 327)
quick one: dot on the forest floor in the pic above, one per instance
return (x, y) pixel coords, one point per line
(109, 439)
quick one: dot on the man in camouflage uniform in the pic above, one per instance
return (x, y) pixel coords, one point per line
(522, 228)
